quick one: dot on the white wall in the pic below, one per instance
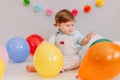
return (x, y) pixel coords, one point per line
(19, 20)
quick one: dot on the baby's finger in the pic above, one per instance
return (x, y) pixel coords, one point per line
(91, 34)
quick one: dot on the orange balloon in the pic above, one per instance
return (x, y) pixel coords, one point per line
(101, 62)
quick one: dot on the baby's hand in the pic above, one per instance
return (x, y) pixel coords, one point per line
(90, 35)
(87, 38)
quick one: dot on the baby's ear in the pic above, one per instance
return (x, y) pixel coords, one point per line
(58, 24)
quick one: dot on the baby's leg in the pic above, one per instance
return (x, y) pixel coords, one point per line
(77, 77)
(71, 62)
(30, 68)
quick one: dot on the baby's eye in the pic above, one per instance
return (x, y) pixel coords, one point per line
(73, 25)
(67, 25)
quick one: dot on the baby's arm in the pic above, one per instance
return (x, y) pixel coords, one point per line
(87, 38)
(52, 39)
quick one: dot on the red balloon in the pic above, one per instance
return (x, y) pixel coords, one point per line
(101, 62)
(87, 8)
(34, 40)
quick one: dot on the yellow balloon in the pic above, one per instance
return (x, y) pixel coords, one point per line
(2, 69)
(48, 60)
(99, 3)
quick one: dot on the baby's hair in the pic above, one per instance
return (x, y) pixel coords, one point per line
(63, 16)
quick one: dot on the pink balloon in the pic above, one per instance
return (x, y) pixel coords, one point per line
(49, 12)
(4, 54)
(75, 12)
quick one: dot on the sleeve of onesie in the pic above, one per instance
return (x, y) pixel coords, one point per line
(52, 39)
(81, 36)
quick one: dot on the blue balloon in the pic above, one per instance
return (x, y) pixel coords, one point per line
(18, 49)
(37, 8)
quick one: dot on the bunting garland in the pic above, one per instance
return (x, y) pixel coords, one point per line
(49, 11)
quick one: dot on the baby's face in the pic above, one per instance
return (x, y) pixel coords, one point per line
(67, 27)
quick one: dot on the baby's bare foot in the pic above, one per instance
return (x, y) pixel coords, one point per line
(30, 68)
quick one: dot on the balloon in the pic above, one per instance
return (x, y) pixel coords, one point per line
(4, 54)
(102, 62)
(2, 69)
(100, 40)
(37, 8)
(26, 2)
(87, 8)
(116, 42)
(99, 3)
(74, 12)
(49, 12)
(48, 60)
(34, 40)
(18, 49)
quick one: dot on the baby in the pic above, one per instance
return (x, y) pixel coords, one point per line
(68, 40)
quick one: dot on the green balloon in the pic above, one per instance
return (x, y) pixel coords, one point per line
(100, 40)
(26, 2)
